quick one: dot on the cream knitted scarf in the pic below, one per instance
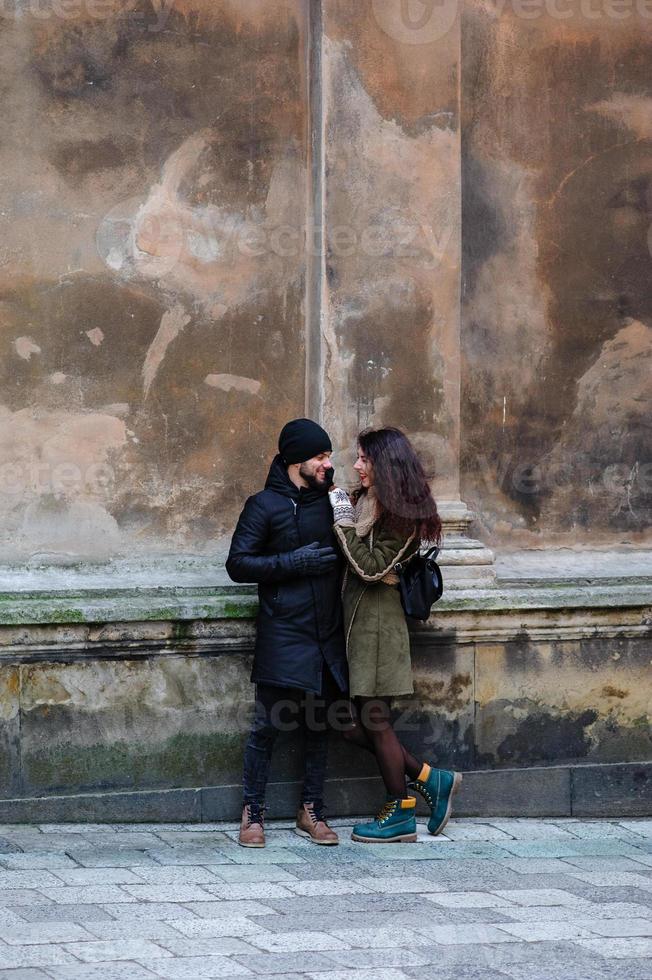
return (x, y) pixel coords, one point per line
(366, 515)
(366, 512)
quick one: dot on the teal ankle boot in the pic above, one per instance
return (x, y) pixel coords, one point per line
(438, 787)
(395, 822)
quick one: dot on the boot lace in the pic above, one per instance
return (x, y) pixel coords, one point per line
(387, 811)
(255, 814)
(422, 788)
(316, 812)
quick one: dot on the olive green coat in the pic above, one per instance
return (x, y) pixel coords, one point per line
(377, 639)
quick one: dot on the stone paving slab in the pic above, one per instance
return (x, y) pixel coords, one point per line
(218, 927)
(40, 859)
(194, 967)
(18, 956)
(106, 857)
(110, 950)
(43, 933)
(25, 973)
(105, 971)
(619, 948)
(359, 974)
(522, 899)
(63, 913)
(178, 875)
(255, 872)
(378, 958)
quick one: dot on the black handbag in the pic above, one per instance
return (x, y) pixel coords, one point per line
(420, 584)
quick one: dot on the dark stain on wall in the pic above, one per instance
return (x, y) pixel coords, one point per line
(10, 767)
(186, 759)
(77, 158)
(57, 317)
(522, 654)
(444, 742)
(609, 691)
(480, 215)
(162, 160)
(392, 359)
(542, 737)
(177, 426)
(556, 323)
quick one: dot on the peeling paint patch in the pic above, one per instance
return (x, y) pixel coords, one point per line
(25, 347)
(172, 323)
(633, 111)
(231, 382)
(96, 336)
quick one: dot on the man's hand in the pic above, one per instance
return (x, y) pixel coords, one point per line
(342, 506)
(313, 560)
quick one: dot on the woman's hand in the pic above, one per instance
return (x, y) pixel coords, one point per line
(342, 506)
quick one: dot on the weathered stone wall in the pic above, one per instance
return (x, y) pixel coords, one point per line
(148, 706)
(557, 328)
(218, 215)
(392, 233)
(152, 272)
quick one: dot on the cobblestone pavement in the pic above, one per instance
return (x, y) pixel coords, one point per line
(530, 899)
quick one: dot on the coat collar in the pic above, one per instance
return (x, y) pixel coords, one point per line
(279, 481)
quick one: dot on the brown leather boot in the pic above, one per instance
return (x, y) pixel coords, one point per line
(252, 827)
(311, 823)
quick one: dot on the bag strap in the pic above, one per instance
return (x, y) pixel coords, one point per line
(430, 555)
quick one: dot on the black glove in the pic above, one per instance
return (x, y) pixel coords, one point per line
(313, 560)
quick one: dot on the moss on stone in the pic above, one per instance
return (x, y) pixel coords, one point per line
(183, 760)
(240, 610)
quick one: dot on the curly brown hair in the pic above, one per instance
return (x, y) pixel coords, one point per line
(401, 485)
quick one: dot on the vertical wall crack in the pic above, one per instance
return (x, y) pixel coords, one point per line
(315, 214)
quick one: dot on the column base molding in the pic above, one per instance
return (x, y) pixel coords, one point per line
(466, 563)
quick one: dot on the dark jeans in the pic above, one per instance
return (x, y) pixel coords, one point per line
(283, 709)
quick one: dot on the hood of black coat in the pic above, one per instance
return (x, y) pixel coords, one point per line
(278, 480)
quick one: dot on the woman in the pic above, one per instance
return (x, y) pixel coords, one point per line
(392, 512)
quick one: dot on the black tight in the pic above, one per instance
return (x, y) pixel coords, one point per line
(372, 730)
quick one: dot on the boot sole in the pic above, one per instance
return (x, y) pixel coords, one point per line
(401, 839)
(323, 843)
(242, 844)
(457, 782)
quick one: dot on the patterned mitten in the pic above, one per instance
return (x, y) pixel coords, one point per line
(343, 512)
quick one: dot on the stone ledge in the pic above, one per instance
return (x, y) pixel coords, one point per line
(189, 588)
(161, 604)
(617, 790)
(71, 642)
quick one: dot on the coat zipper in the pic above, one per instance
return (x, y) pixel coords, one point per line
(314, 598)
(294, 504)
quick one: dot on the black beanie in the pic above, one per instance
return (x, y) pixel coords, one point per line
(302, 439)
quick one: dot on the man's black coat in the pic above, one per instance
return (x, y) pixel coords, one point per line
(299, 618)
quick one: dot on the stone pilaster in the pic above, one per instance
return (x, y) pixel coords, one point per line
(390, 205)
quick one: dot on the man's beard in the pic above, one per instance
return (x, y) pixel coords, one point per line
(313, 482)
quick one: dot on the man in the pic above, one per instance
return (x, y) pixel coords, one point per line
(284, 541)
